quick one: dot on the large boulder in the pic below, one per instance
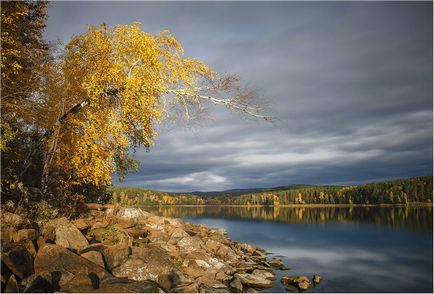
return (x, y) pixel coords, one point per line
(81, 283)
(64, 233)
(277, 263)
(57, 260)
(18, 260)
(132, 212)
(264, 274)
(145, 263)
(251, 280)
(110, 235)
(95, 257)
(301, 282)
(116, 254)
(119, 285)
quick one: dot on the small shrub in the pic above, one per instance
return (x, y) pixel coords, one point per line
(43, 210)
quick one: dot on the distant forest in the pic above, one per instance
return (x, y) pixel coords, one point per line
(403, 191)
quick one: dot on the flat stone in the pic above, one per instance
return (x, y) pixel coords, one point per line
(301, 282)
(81, 283)
(264, 274)
(147, 263)
(54, 258)
(278, 264)
(119, 285)
(251, 280)
(95, 257)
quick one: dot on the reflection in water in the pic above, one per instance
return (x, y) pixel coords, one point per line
(353, 249)
(410, 217)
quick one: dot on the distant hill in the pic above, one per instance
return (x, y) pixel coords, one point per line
(238, 192)
(401, 191)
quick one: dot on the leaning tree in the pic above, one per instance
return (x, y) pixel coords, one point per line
(107, 91)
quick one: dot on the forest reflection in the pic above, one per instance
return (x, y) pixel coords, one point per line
(419, 218)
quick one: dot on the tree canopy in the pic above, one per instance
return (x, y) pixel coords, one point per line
(98, 98)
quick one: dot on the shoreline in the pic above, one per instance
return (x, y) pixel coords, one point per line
(292, 205)
(110, 248)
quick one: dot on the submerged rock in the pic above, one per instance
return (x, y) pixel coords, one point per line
(316, 279)
(277, 263)
(301, 282)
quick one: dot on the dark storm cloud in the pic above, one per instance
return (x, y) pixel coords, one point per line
(351, 84)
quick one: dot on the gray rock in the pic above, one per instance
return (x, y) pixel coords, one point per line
(301, 282)
(54, 258)
(132, 212)
(68, 236)
(264, 274)
(277, 263)
(95, 257)
(147, 263)
(251, 280)
(119, 285)
(236, 285)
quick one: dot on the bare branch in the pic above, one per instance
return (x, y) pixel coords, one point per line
(131, 68)
(239, 99)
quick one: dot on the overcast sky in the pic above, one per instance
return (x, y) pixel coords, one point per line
(351, 84)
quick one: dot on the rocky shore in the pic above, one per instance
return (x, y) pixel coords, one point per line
(116, 249)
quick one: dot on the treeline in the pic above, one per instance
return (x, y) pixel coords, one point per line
(404, 191)
(144, 197)
(418, 189)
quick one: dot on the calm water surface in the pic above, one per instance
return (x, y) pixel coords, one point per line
(359, 249)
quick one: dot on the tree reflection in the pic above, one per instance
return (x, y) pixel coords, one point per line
(410, 217)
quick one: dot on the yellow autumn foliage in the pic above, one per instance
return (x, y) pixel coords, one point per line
(123, 74)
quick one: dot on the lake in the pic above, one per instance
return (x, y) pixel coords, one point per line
(353, 249)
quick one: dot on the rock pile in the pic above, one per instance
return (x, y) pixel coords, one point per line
(299, 283)
(111, 249)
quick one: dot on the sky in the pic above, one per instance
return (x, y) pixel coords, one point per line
(350, 83)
